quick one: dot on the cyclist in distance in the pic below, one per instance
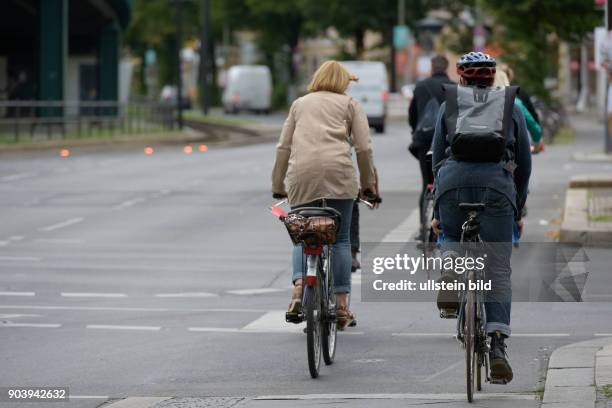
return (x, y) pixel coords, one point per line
(481, 153)
(422, 113)
(314, 156)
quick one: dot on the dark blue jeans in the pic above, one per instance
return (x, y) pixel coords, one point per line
(496, 223)
(341, 250)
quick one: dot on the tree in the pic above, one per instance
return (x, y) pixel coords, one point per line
(526, 30)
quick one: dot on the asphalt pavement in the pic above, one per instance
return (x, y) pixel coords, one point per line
(132, 275)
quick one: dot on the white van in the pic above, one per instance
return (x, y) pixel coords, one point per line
(372, 90)
(248, 87)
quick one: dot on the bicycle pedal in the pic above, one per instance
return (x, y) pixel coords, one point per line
(353, 323)
(498, 381)
(294, 318)
(448, 314)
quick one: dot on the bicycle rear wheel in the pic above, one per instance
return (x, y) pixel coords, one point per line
(470, 355)
(313, 328)
(328, 322)
(427, 233)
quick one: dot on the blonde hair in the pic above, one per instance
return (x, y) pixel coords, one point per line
(501, 79)
(331, 76)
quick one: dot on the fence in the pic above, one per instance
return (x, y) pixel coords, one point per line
(40, 120)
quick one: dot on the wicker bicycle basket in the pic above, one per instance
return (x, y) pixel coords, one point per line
(311, 231)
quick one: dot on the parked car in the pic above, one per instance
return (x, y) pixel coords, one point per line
(168, 96)
(372, 90)
(248, 87)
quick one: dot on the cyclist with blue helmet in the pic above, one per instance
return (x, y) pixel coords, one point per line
(481, 153)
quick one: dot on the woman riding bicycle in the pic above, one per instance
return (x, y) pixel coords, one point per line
(314, 155)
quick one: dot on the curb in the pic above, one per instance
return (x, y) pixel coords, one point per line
(576, 227)
(571, 378)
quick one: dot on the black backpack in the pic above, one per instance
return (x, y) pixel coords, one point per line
(478, 122)
(424, 131)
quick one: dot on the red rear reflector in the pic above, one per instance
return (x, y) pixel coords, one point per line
(278, 212)
(311, 280)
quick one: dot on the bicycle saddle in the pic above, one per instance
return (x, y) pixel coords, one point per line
(478, 207)
(316, 212)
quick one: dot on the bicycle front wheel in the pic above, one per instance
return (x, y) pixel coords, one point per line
(313, 328)
(471, 360)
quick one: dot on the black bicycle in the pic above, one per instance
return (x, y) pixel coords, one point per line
(428, 236)
(315, 229)
(472, 317)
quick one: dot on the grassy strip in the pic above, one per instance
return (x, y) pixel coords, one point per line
(601, 218)
(118, 138)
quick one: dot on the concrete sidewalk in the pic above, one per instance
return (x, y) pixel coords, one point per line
(579, 375)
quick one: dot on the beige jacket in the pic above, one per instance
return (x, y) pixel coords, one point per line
(314, 150)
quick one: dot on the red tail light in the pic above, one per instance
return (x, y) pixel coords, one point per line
(236, 97)
(385, 96)
(311, 280)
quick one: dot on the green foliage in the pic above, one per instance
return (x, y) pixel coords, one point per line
(528, 30)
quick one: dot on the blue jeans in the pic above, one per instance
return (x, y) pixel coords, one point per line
(341, 250)
(496, 223)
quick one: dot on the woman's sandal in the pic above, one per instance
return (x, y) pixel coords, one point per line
(344, 317)
(295, 306)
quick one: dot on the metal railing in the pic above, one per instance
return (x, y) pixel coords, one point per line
(41, 120)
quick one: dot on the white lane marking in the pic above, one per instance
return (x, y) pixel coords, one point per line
(16, 176)
(273, 321)
(444, 371)
(4, 243)
(33, 325)
(602, 334)
(213, 329)
(186, 295)
(16, 315)
(33, 201)
(20, 258)
(7, 293)
(257, 291)
(16, 238)
(59, 240)
(405, 231)
(137, 402)
(97, 295)
(129, 203)
(104, 397)
(540, 335)
(445, 396)
(62, 224)
(121, 327)
(133, 309)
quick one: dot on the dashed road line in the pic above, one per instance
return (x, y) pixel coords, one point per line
(256, 291)
(16, 176)
(20, 258)
(121, 327)
(133, 309)
(186, 295)
(96, 295)
(10, 293)
(4, 243)
(62, 224)
(214, 329)
(32, 325)
(602, 334)
(16, 238)
(129, 203)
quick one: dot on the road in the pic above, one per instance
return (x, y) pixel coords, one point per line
(126, 275)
